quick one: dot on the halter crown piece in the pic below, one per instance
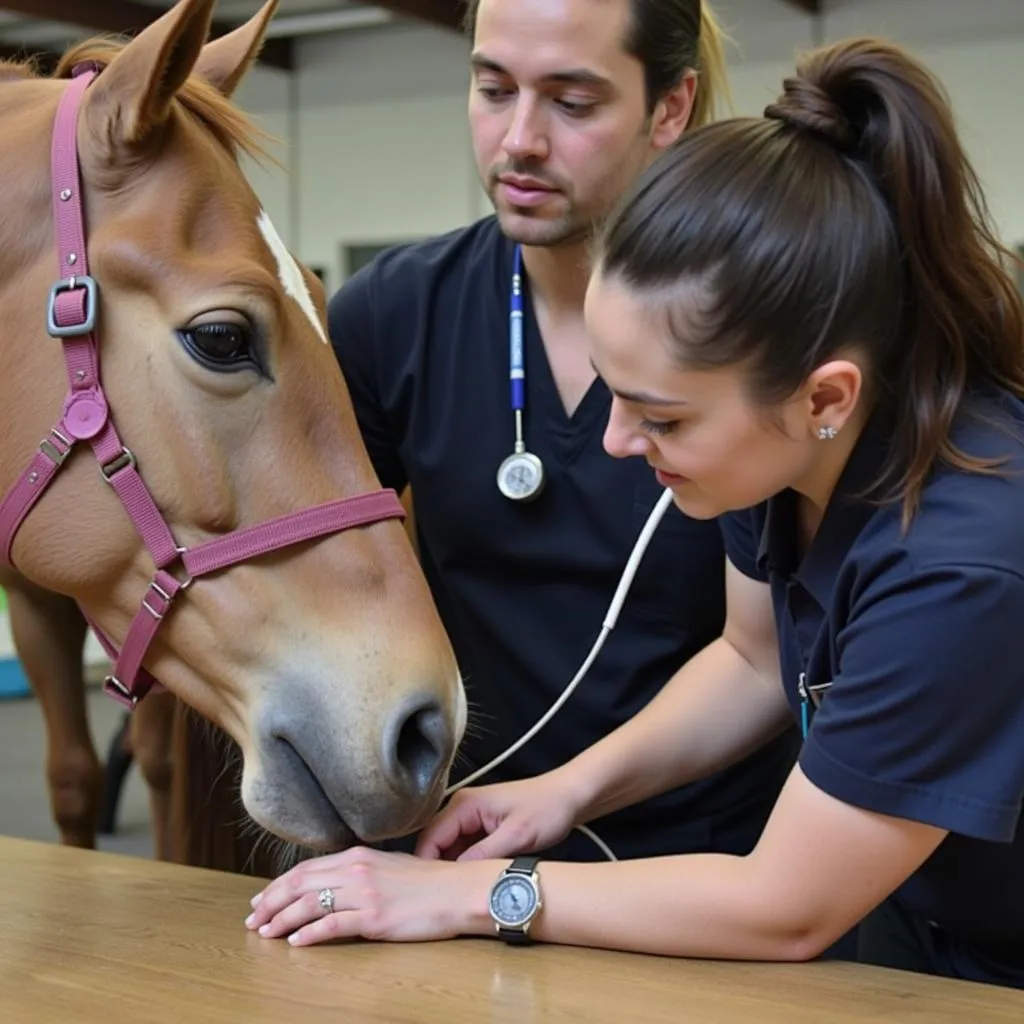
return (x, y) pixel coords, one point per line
(71, 314)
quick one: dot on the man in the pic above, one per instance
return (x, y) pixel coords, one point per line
(569, 101)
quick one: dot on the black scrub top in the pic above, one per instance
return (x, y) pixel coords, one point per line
(422, 337)
(911, 648)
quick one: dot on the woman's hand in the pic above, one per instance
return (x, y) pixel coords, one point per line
(501, 820)
(381, 896)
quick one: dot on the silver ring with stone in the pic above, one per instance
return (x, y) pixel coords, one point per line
(325, 897)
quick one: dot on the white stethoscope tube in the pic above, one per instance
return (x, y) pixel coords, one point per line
(611, 617)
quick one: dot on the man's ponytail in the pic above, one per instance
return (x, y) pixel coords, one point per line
(713, 90)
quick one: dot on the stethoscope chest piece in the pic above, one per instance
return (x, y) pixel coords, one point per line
(521, 476)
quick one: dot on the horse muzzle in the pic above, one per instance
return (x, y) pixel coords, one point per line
(325, 783)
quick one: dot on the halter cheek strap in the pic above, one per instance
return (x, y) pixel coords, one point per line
(86, 417)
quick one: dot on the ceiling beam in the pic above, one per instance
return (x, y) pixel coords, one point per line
(445, 13)
(129, 17)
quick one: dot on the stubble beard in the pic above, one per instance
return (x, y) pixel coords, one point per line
(527, 228)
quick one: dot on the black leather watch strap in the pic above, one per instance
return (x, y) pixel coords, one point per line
(514, 937)
(523, 865)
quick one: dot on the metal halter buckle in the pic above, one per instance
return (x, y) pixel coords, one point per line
(114, 685)
(56, 454)
(70, 284)
(154, 586)
(122, 461)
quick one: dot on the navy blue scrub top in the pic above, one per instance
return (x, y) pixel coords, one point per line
(917, 644)
(421, 335)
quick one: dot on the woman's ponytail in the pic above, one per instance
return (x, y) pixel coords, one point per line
(962, 317)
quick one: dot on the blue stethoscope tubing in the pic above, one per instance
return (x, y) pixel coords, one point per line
(517, 366)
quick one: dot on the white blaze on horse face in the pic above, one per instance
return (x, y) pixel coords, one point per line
(288, 271)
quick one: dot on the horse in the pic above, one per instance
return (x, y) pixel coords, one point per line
(201, 495)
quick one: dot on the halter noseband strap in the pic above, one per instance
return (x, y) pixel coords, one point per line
(71, 317)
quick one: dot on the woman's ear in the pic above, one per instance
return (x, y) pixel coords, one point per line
(833, 392)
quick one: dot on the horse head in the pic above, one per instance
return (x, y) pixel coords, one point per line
(322, 654)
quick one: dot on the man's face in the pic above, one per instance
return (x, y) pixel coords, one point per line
(558, 114)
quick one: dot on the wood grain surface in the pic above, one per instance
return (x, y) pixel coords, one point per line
(92, 937)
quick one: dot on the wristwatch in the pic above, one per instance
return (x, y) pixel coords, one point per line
(515, 900)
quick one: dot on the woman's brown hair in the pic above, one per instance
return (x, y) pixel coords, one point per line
(848, 216)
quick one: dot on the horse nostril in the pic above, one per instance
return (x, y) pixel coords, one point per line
(420, 748)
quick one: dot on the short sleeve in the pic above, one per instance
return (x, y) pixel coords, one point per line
(925, 718)
(742, 534)
(352, 327)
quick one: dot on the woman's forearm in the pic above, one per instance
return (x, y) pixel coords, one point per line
(819, 867)
(698, 905)
(713, 712)
(694, 905)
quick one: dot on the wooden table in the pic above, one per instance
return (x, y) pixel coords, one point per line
(91, 937)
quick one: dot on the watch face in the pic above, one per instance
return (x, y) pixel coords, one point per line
(513, 900)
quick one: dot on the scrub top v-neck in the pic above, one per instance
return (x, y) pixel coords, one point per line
(567, 432)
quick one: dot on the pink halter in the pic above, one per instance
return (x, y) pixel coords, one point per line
(71, 317)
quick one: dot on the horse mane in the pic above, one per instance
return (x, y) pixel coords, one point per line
(228, 124)
(15, 70)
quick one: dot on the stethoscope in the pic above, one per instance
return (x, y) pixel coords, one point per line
(521, 478)
(521, 474)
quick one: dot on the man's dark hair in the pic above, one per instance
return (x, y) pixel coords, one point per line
(669, 38)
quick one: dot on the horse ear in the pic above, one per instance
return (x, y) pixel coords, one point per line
(133, 95)
(225, 61)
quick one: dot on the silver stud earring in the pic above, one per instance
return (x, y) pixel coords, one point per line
(827, 433)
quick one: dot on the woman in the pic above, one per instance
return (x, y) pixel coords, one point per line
(809, 332)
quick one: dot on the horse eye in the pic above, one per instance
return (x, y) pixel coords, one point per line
(220, 346)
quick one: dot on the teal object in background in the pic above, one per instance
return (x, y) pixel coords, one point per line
(13, 683)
